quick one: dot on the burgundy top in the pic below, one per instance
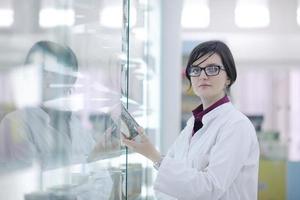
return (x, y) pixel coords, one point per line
(199, 112)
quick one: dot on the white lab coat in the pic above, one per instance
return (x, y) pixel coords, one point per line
(27, 134)
(220, 162)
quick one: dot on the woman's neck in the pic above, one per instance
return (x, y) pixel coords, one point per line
(208, 102)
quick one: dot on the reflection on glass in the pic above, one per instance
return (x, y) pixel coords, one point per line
(50, 133)
(46, 131)
(61, 111)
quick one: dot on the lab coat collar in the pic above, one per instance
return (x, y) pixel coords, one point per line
(220, 110)
(38, 112)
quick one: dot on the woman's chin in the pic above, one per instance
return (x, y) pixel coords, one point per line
(203, 93)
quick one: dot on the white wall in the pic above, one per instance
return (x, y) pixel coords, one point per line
(170, 71)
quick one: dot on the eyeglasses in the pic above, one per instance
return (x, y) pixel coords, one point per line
(210, 70)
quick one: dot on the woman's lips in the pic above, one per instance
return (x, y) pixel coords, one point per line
(204, 85)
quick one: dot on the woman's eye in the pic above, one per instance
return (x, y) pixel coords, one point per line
(212, 68)
(195, 70)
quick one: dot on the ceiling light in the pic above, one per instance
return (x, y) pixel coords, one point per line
(195, 15)
(50, 17)
(6, 17)
(252, 16)
(112, 16)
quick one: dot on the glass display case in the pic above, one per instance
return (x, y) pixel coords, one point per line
(66, 70)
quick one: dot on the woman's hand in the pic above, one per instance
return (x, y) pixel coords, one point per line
(144, 146)
(106, 143)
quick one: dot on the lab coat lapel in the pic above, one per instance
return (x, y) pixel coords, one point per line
(201, 135)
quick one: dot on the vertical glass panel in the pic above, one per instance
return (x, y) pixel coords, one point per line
(60, 77)
(142, 92)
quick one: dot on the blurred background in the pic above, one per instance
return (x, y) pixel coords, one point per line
(264, 38)
(134, 52)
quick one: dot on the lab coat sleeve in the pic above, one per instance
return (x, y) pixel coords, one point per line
(184, 132)
(172, 149)
(227, 158)
(16, 147)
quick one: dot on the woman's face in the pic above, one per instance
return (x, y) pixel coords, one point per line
(56, 82)
(210, 88)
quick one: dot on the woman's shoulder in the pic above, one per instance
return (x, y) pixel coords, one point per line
(235, 116)
(236, 125)
(23, 115)
(16, 114)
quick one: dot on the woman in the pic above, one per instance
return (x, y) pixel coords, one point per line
(45, 131)
(216, 155)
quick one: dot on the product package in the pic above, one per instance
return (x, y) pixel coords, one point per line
(129, 126)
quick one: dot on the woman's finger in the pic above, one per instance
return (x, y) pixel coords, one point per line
(124, 136)
(129, 143)
(141, 132)
(108, 131)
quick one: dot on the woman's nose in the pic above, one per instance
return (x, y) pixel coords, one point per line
(203, 75)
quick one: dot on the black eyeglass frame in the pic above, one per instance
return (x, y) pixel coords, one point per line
(205, 70)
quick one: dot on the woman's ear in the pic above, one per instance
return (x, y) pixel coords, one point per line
(228, 81)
